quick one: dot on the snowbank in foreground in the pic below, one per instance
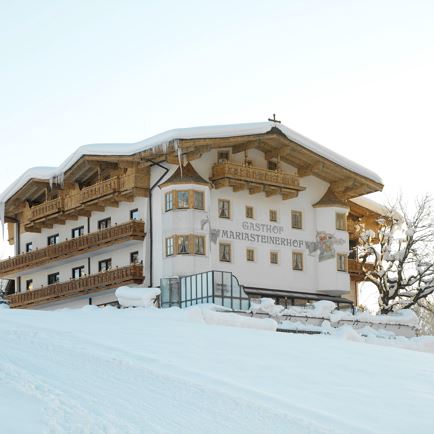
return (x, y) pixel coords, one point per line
(134, 371)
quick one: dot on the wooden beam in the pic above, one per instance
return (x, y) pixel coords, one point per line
(343, 184)
(288, 194)
(255, 188)
(271, 191)
(238, 185)
(221, 183)
(311, 169)
(236, 149)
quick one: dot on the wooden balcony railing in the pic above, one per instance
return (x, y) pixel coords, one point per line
(81, 286)
(355, 269)
(47, 208)
(83, 199)
(132, 230)
(100, 189)
(237, 174)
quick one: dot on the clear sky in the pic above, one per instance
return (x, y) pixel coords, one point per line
(356, 76)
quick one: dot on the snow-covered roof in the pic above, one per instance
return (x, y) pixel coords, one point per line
(163, 139)
(370, 204)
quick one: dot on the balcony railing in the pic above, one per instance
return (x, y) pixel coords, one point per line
(102, 190)
(355, 268)
(132, 230)
(47, 208)
(81, 286)
(255, 175)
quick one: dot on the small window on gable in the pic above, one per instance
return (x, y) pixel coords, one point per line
(29, 247)
(249, 212)
(134, 214)
(223, 156)
(296, 220)
(271, 165)
(341, 221)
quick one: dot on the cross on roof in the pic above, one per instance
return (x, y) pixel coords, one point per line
(274, 119)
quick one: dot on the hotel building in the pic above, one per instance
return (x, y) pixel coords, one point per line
(209, 214)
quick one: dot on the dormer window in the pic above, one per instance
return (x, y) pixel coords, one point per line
(184, 199)
(271, 165)
(223, 156)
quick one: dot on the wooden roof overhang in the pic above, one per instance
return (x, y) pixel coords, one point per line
(275, 145)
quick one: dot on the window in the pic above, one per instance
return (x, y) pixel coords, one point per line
(271, 165)
(169, 246)
(341, 262)
(223, 156)
(250, 255)
(198, 201)
(168, 203)
(249, 212)
(134, 257)
(104, 223)
(296, 220)
(297, 261)
(341, 221)
(29, 285)
(225, 252)
(273, 215)
(274, 257)
(53, 239)
(77, 232)
(77, 272)
(182, 199)
(199, 245)
(134, 214)
(104, 265)
(224, 209)
(53, 278)
(29, 247)
(183, 245)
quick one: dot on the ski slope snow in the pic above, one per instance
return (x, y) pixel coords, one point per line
(168, 371)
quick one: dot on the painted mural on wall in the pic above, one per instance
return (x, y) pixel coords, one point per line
(271, 234)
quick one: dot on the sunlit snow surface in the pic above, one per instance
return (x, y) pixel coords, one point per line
(167, 371)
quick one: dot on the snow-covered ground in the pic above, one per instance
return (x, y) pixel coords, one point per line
(169, 371)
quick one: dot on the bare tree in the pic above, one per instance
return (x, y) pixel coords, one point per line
(398, 257)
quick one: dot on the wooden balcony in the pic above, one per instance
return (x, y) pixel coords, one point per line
(75, 287)
(255, 180)
(132, 230)
(46, 209)
(74, 203)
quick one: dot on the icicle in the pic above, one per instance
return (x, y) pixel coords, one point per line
(179, 152)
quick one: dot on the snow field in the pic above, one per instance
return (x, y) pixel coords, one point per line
(170, 371)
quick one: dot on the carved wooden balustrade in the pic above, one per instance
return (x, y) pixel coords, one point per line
(100, 189)
(81, 286)
(132, 230)
(80, 202)
(255, 179)
(47, 208)
(355, 269)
